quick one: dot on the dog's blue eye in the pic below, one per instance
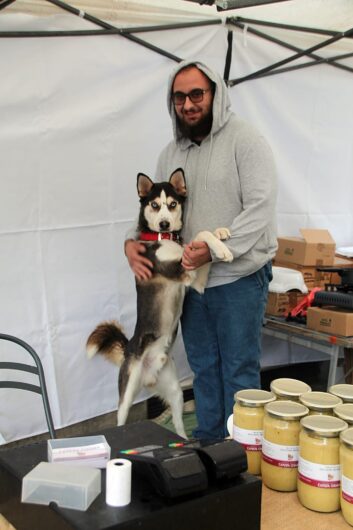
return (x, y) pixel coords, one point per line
(154, 205)
(172, 205)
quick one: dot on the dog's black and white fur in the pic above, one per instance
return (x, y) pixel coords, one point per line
(144, 359)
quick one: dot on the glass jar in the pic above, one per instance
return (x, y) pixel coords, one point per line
(280, 446)
(319, 467)
(343, 391)
(320, 402)
(248, 414)
(346, 459)
(291, 389)
(345, 412)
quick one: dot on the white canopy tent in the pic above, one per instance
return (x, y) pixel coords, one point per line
(82, 115)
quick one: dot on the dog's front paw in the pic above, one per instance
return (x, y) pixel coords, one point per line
(222, 252)
(227, 256)
(222, 233)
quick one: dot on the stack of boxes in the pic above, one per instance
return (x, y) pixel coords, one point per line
(315, 249)
(278, 304)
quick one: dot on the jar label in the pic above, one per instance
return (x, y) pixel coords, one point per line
(347, 489)
(249, 439)
(319, 475)
(280, 455)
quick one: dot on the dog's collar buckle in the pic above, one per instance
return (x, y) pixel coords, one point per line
(166, 235)
(158, 236)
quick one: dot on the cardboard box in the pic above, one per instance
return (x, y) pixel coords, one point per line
(312, 277)
(346, 263)
(278, 304)
(340, 261)
(334, 321)
(316, 247)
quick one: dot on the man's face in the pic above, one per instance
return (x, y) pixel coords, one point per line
(196, 118)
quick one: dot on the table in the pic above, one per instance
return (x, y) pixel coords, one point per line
(283, 511)
(315, 340)
(236, 502)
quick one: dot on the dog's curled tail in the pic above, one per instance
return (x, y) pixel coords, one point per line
(109, 340)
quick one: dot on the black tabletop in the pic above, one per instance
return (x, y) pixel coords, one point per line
(146, 507)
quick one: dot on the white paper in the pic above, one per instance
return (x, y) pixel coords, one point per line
(118, 482)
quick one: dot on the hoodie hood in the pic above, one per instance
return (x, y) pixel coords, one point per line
(221, 102)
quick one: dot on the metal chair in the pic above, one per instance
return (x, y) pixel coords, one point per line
(37, 370)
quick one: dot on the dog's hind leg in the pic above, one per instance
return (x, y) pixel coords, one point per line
(169, 389)
(130, 383)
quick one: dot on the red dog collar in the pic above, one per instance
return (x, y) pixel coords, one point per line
(158, 236)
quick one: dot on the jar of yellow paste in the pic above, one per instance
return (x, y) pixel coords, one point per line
(346, 459)
(345, 412)
(319, 465)
(285, 388)
(280, 445)
(320, 402)
(248, 414)
(343, 391)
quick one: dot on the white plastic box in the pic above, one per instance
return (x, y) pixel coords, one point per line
(92, 451)
(73, 487)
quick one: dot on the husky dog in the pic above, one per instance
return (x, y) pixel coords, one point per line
(144, 359)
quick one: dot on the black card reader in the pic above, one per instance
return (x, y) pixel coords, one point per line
(173, 471)
(223, 459)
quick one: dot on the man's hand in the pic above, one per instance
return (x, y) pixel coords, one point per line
(195, 255)
(141, 266)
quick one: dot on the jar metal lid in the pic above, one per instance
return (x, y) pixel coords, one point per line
(344, 391)
(254, 397)
(289, 387)
(320, 400)
(347, 437)
(344, 411)
(286, 410)
(323, 425)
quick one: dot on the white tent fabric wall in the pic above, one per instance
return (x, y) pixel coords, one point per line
(306, 116)
(80, 117)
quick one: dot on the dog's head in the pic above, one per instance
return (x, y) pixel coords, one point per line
(162, 203)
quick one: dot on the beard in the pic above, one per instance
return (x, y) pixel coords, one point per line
(199, 130)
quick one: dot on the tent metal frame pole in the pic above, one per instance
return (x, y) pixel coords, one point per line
(6, 3)
(318, 58)
(228, 61)
(113, 31)
(308, 64)
(105, 25)
(54, 33)
(254, 75)
(143, 29)
(285, 26)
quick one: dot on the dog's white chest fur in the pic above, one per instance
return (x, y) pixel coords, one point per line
(169, 251)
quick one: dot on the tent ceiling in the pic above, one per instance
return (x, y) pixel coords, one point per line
(137, 15)
(328, 14)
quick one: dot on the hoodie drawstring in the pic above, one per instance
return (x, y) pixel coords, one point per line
(208, 160)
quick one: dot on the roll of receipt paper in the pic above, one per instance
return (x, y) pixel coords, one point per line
(118, 482)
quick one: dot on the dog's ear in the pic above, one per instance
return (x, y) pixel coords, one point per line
(177, 180)
(144, 185)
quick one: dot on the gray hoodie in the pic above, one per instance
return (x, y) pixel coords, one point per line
(231, 182)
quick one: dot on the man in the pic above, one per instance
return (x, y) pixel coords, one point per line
(231, 182)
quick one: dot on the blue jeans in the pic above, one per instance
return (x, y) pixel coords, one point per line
(222, 337)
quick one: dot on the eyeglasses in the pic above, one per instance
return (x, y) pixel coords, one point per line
(195, 96)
